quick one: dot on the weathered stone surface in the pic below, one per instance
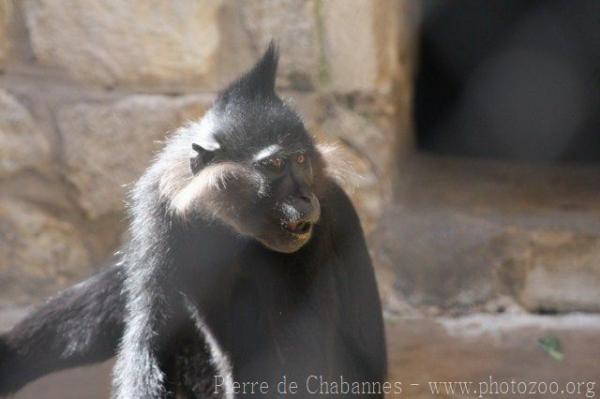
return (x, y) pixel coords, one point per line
(298, 27)
(22, 144)
(5, 8)
(334, 44)
(457, 261)
(361, 43)
(107, 146)
(440, 258)
(463, 233)
(560, 271)
(359, 129)
(370, 150)
(131, 42)
(504, 191)
(39, 253)
(294, 25)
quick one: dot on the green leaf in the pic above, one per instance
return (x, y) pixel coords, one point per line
(551, 345)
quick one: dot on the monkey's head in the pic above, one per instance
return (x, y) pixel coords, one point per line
(251, 164)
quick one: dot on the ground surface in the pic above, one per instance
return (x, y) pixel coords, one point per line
(472, 348)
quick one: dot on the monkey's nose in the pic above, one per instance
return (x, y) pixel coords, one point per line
(304, 201)
(298, 227)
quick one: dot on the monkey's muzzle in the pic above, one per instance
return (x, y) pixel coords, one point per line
(297, 227)
(302, 214)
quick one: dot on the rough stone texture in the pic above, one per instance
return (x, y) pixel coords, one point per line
(39, 253)
(335, 44)
(5, 8)
(294, 25)
(22, 144)
(360, 129)
(132, 42)
(561, 272)
(357, 40)
(463, 233)
(108, 146)
(440, 258)
(362, 138)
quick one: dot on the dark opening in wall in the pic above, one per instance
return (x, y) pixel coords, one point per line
(510, 79)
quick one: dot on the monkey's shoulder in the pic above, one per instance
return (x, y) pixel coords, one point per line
(339, 211)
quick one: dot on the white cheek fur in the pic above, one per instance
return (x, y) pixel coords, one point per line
(206, 191)
(338, 166)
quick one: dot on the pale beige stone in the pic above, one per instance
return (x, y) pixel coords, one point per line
(5, 11)
(22, 144)
(362, 133)
(361, 43)
(108, 146)
(126, 42)
(39, 253)
(561, 272)
(372, 150)
(463, 233)
(294, 26)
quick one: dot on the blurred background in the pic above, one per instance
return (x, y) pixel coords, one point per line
(475, 127)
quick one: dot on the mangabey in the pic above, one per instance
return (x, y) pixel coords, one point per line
(246, 263)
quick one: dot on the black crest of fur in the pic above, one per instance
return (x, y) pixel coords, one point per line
(258, 81)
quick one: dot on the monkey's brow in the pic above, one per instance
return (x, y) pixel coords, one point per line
(266, 152)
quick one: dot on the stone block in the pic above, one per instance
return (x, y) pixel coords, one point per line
(126, 42)
(108, 146)
(39, 253)
(22, 144)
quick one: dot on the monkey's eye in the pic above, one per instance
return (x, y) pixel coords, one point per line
(274, 166)
(276, 163)
(300, 158)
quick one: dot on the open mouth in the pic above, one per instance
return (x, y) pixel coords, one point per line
(299, 227)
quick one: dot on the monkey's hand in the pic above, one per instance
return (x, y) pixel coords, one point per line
(79, 326)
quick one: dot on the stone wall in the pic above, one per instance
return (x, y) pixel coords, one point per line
(88, 92)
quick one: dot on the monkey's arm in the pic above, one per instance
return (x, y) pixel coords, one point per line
(153, 311)
(361, 327)
(139, 371)
(81, 325)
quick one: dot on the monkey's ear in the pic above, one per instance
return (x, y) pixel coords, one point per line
(200, 157)
(258, 81)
